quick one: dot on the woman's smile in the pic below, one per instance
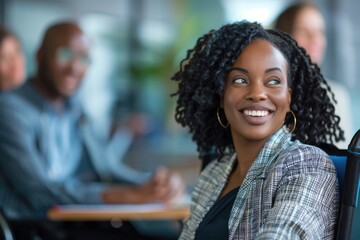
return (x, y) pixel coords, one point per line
(256, 115)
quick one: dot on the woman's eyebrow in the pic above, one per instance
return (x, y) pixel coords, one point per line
(238, 69)
(274, 69)
(246, 71)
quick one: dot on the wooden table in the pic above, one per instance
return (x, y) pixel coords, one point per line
(121, 212)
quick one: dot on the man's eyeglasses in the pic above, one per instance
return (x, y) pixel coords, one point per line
(65, 55)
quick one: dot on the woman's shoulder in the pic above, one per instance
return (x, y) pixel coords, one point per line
(219, 168)
(215, 163)
(305, 149)
(15, 98)
(304, 157)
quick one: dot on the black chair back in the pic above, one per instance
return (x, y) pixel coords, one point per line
(350, 189)
(5, 232)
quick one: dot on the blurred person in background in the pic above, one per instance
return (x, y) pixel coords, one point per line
(47, 149)
(306, 24)
(12, 61)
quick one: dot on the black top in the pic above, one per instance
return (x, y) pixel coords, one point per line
(215, 223)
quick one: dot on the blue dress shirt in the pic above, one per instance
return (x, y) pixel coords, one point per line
(44, 159)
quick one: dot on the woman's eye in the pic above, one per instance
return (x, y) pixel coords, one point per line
(274, 82)
(240, 80)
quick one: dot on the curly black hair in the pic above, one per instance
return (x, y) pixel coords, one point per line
(201, 80)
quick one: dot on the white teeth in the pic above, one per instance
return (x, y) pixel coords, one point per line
(256, 113)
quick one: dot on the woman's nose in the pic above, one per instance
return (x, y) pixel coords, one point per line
(256, 92)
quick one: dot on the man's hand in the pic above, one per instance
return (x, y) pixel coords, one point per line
(164, 186)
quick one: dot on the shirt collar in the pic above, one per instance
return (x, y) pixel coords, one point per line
(274, 145)
(72, 103)
(272, 148)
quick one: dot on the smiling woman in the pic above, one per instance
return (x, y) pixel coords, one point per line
(257, 88)
(254, 96)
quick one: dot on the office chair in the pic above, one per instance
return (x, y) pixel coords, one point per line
(348, 170)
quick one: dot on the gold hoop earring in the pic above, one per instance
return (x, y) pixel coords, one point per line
(294, 125)
(218, 117)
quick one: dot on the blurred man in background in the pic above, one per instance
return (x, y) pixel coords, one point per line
(47, 153)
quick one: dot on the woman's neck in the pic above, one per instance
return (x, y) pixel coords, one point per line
(246, 152)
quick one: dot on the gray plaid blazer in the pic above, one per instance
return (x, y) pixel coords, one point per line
(290, 192)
